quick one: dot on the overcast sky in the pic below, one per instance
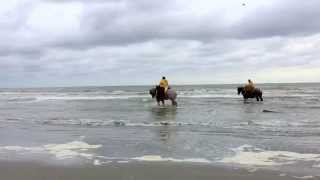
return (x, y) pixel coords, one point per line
(119, 42)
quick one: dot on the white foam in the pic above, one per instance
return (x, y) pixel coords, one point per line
(316, 166)
(304, 177)
(60, 151)
(118, 92)
(69, 150)
(20, 148)
(97, 162)
(282, 174)
(122, 162)
(149, 158)
(157, 158)
(247, 155)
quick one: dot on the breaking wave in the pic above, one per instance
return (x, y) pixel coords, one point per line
(60, 151)
(248, 155)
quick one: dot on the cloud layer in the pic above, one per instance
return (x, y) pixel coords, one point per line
(118, 42)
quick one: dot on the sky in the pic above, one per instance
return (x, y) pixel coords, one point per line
(136, 42)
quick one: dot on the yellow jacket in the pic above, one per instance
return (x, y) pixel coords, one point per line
(164, 83)
(249, 87)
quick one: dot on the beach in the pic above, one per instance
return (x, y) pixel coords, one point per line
(120, 132)
(135, 171)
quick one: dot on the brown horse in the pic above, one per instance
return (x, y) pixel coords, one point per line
(257, 93)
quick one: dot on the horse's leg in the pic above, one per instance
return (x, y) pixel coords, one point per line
(257, 97)
(245, 100)
(174, 103)
(261, 97)
(245, 97)
(162, 102)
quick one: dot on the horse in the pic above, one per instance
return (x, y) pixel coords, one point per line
(257, 93)
(160, 95)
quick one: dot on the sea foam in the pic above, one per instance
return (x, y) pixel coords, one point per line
(157, 158)
(248, 155)
(60, 151)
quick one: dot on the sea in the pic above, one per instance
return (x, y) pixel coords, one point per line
(212, 125)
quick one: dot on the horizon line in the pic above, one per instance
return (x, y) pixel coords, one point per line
(132, 85)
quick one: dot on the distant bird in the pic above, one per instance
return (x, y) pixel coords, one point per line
(243, 4)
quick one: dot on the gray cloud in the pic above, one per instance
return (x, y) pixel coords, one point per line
(129, 22)
(284, 19)
(136, 42)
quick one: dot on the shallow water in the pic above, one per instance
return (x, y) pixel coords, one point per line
(211, 124)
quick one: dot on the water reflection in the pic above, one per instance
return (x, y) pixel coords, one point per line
(165, 116)
(164, 113)
(164, 133)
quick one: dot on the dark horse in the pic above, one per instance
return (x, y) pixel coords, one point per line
(257, 93)
(160, 95)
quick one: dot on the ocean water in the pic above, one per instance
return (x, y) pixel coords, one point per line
(212, 124)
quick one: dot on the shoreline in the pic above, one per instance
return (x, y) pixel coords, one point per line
(136, 171)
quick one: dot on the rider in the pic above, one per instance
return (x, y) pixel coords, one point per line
(164, 83)
(249, 88)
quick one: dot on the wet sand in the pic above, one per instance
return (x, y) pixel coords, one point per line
(132, 171)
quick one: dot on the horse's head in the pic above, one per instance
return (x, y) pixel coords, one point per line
(240, 90)
(153, 92)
